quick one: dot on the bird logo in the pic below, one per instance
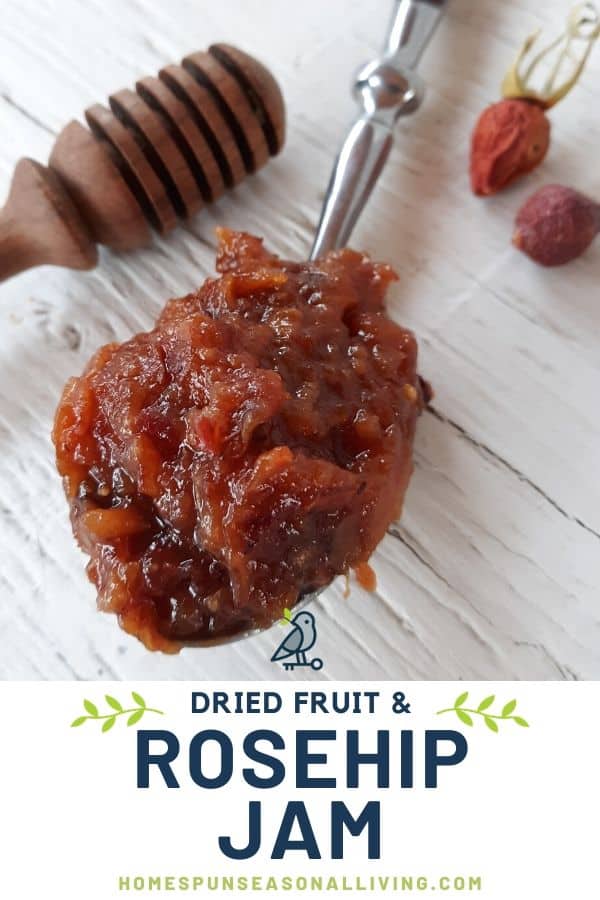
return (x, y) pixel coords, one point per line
(292, 650)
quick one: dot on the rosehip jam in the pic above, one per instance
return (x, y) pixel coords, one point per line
(252, 446)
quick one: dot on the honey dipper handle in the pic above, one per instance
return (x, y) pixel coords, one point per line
(40, 224)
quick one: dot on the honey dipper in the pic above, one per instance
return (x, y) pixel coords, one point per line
(157, 155)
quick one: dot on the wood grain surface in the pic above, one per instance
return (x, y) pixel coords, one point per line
(494, 570)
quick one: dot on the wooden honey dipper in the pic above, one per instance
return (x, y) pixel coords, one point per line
(160, 153)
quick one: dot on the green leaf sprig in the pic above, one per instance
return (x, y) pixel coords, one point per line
(465, 714)
(286, 618)
(134, 713)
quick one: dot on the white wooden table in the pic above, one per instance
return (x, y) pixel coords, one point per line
(494, 570)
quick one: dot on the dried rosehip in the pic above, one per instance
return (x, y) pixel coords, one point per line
(510, 138)
(556, 225)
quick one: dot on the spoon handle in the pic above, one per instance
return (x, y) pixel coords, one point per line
(386, 89)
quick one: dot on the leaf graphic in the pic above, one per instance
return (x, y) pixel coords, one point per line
(113, 702)
(287, 614)
(469, 714)
(89, 707)
(116, 710)
(485, 703)
(463, 716)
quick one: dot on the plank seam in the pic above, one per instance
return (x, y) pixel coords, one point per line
(505, 464)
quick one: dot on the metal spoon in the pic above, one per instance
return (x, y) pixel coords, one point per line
(386, 89)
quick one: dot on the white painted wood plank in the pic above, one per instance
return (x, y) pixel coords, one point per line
(494, 570)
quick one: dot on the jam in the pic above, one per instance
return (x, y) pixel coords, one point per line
(252, 446)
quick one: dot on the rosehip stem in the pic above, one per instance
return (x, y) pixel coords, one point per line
(582, 30)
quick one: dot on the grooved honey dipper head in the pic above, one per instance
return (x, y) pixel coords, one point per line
(155, 155)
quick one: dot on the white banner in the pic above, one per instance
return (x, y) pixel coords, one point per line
(115, 790)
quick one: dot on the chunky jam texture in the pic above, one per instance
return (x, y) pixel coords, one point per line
(250, 448)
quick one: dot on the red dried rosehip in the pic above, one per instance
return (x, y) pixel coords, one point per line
(510, 138)
(556, 225)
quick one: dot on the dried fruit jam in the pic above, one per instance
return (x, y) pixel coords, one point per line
(250, 448)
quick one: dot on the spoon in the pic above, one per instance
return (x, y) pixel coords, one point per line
(386, 89)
